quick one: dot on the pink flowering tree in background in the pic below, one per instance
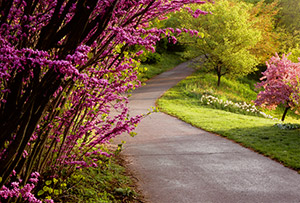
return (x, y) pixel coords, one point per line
(64, 70)
(279, 83)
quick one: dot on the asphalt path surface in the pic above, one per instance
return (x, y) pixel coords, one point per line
(177, 163)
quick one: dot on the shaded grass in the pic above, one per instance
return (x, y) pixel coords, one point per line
(257, 133)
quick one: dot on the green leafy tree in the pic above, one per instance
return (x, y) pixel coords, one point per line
(289, 15)
(263, 15)
(286, 22)
(294, 54)
(228, 37)
(257, 1)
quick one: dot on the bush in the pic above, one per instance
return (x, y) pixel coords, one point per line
(151, 58)
(164, 45)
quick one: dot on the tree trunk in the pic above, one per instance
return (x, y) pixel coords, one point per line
(218, 69)
(219, 80)
(284, 113)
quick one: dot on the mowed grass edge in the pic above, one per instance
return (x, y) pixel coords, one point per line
(253, 132)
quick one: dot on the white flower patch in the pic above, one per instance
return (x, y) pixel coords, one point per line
(240, 107)
(287, 126)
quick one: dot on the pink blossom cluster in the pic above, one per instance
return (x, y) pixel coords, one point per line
(279, 83)
(26, 191)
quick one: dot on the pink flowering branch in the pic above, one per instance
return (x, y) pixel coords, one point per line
(63, 77)
(278, 84)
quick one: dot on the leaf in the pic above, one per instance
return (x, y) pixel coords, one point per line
(201, 34)
(41, 192)
(48, 182)
(132, 134)
(63, 185)
(55, 180)
(48, 197)
(56, 192)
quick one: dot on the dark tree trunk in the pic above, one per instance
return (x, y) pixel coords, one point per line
(219, 80)
(284, 113)
(218, 69)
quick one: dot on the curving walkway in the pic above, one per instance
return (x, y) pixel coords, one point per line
(177, 163)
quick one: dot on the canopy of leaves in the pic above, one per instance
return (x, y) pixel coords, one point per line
(289, 15)
(263, 16)
(228, 36)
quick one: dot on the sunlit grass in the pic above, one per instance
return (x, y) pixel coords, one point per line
(254, 132)
(240, 90)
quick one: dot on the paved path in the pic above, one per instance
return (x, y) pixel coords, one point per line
(177, 163)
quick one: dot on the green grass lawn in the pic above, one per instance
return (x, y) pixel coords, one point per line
(254, 132)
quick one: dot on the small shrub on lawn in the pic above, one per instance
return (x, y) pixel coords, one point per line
(287, 126)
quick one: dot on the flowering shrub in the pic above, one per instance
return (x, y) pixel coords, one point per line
(64, 70)
(15, 189)
(240, 107)
(287, 126)
(278, 83)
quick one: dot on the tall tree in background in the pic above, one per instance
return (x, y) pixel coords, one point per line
(289, 14)
(263, 16)
(287, 24)
(228, 36)
(64, 69)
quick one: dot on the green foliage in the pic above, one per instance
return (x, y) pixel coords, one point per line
(228, 37)
(52, 189)
(263, 16)
(290, 15)
(164, 46)
(289, 40)
(105, 184)
(258, 133)
(151, 58)
(286, 22)
(256, 1)
(108, 182)
(294, 54)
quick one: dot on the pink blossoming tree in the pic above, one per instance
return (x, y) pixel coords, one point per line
(279, 84)
(64, 69)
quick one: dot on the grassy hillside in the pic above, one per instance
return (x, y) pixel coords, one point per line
(264, 135)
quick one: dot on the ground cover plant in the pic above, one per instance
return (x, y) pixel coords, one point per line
(267, 136)
(64, 68)
(110, 182)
